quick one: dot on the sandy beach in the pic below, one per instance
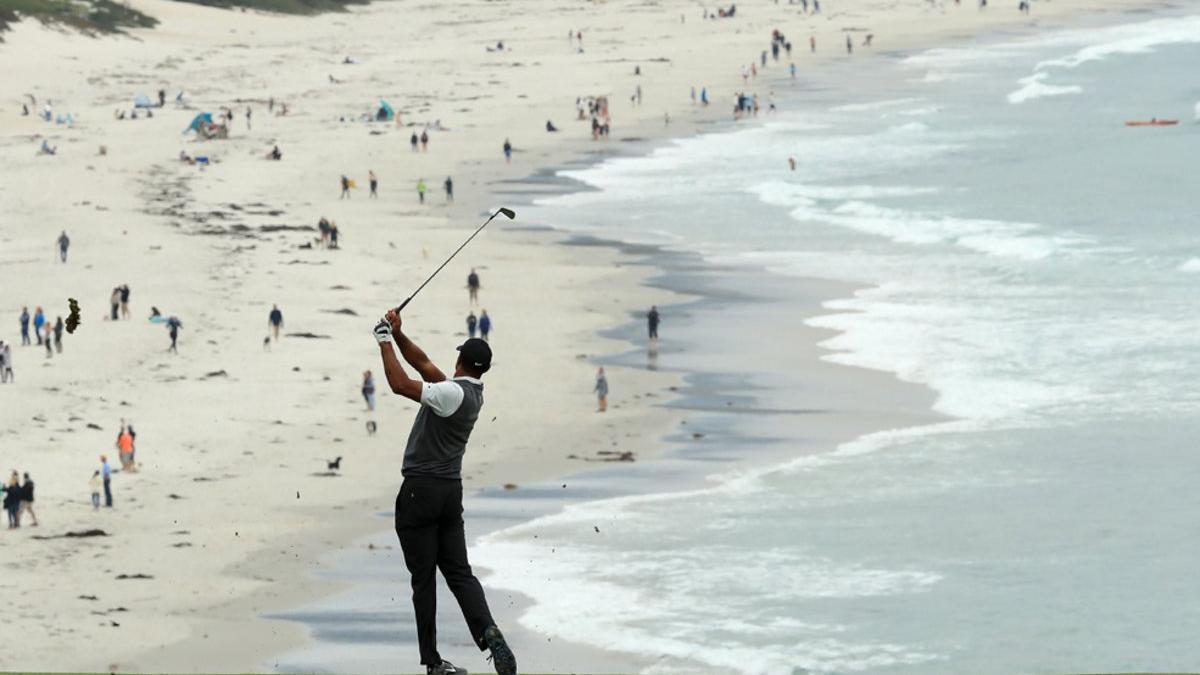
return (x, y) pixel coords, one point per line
(233, 504)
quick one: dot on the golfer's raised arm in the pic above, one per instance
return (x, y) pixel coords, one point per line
(397, 379)
(414, 355)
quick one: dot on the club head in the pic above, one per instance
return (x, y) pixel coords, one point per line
(508, 213)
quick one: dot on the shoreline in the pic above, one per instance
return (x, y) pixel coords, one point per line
(230, 621)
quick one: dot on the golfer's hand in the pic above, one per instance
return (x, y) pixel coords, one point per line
(382, 332)
(393, 319)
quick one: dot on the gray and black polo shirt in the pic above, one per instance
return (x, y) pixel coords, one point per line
(438, 439)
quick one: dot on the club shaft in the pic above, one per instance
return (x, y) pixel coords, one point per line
(447, 262)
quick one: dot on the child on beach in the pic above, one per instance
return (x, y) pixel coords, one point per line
(507, 152)
(94, 484)
(374, 184)
(421, 187)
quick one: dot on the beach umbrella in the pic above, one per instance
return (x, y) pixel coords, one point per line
(201, 117)
(388, 113)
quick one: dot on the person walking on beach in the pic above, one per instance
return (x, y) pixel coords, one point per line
(849, 45)
(485, 325)
(64, 242)
(421, 187)
(94, 486)
(368, 390)
(601, 390)
(49, 343)
(124, 288)
(652, 320)
(414, 141)
(173, 326)
(374, 184)
(507, 152)
(812, 44)
(39, 320)
(345, 187)
(58, 331)
(27, 500)
(275, 321)
(429, 522)
(248, 113)
(424, 140)
(106, 477)
(114, 302)
(6, 368)
(323, 228)
(24, 325)
(472, 322)
(3, 362)
(333, 234)
(473, 287)
(12, 501)
(124, 447)
(449, 185)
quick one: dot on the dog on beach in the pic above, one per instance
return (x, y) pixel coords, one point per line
(267, 344)
(335, 464)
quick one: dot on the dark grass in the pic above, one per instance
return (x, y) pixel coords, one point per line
(87, 16)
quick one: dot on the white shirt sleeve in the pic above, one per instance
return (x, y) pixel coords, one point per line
(442, 397)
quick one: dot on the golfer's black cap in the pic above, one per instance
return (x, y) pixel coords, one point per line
(476, 353)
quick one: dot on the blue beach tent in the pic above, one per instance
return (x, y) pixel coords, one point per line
(201, 117)
(386, 113)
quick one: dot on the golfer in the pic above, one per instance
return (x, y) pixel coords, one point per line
(429, 507)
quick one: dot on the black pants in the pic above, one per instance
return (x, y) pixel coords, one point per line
(107, 493)
(430, 526)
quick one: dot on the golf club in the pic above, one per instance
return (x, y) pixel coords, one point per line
(508, 213)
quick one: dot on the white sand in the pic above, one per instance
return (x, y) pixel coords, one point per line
(241, 450)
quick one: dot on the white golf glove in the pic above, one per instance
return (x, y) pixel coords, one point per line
(383, 332)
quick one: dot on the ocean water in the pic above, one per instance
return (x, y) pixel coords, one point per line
(1021, 252)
